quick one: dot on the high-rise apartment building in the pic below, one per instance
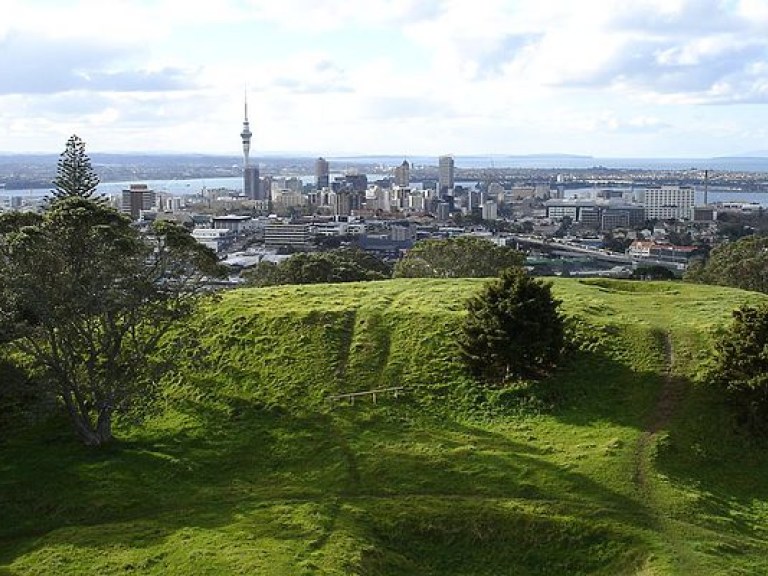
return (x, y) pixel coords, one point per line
(403, 175)
(668, 202)
(322, 173)
(445, 172)
(136, 198)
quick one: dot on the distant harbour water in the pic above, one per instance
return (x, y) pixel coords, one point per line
(199, 185)
(173, 187)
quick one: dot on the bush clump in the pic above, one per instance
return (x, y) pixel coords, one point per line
(513, 329)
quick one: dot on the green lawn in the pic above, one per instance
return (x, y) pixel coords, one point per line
(246, 468)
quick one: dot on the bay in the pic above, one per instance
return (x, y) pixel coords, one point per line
(198, 186)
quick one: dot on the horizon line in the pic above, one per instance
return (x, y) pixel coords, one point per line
(307, 154)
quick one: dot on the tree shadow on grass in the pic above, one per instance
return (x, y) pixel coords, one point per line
(431, 536)
(712, 478)
(706, 451)
(243, 461)
(196, 477)
(459, 459)
(450, 496)
(595, 386)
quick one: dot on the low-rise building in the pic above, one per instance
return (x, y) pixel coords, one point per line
(233, 222)
(217, 239)
(622, 216)
(293, 235)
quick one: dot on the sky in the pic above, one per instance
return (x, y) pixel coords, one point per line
(606, 78)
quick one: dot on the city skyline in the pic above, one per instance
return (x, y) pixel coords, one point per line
(659, 78)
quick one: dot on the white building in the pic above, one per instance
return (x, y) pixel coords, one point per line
(668, 202)
(496, 192)
(288, 198)
(377, 198)
(292, 183)
(416, 201)
(490, 210)
(217, 239)
(398, 198)
(297, 235)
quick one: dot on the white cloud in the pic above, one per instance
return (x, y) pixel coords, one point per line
(33, 64)
(323, 15)
(391, 75)
(679, 50)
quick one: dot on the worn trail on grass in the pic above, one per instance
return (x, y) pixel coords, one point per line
(669, 399)
(670, 396)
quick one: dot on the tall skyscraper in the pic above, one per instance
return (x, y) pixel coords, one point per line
(322, 173)
(403, 175)
(251, 183)
(250, 173)
(445, 181)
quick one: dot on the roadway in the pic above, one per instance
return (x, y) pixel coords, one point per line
(561, 247)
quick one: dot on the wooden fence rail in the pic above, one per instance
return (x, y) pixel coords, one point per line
(395, 391)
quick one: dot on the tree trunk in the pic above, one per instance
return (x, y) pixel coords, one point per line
(104, 426)
(89, 434)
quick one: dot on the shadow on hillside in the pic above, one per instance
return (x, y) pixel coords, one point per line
(433, 535)
(595, 386)
(199, 476)
(242, 459)
(705, 450)
(461, 460)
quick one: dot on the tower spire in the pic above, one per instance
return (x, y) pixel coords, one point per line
(246, 134)
(251, 183)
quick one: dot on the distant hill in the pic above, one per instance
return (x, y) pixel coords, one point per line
(752, 154)
(149, 164)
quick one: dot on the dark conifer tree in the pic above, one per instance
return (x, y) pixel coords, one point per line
(513, 329)
(74, 174)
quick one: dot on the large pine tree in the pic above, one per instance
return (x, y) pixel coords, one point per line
(75, 175)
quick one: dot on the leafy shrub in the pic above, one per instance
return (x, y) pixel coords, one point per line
(343, 265)
(462, 257)
(740, 367)
(741, 264)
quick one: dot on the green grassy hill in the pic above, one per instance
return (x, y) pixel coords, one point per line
(618, 464)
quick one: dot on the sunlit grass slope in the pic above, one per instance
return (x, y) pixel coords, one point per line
(246, 468)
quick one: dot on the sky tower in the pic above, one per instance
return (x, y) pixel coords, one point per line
(251, 187)
(246, 136)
